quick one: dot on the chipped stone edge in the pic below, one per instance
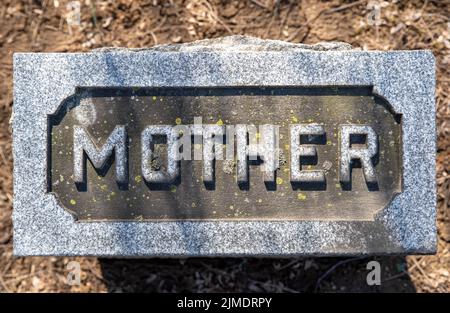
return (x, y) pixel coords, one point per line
(235, 43)
(43, 80)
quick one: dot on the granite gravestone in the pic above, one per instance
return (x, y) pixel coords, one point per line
(225, 147)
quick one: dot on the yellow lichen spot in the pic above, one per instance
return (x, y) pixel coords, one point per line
(301, 196)
(286, 146)
(113, 193)
(173, 188)
(138, 178)
(219, 122)
(193, 205)
(279, 180)
(310, 120)
(338, 186)
(73, 202)
(286, 170)
(329, 142)
(329, 205)
(309, 167)
(61, 178)
(197, 146)
(294, 119)
(259, 200)
(154, 98)
(258, 135)
(103, 187)
(178, 121)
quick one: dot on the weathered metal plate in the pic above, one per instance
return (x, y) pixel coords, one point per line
(188, 197)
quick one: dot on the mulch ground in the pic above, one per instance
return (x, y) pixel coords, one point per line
(55, 25)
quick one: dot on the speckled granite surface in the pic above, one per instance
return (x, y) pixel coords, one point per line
(406, 79)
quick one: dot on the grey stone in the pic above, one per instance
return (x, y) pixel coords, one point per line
(406, 79)
(237, 43)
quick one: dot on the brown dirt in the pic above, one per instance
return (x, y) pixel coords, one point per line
(42, 26)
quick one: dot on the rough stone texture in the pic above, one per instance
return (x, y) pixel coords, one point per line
(406, 79)
(237, 43)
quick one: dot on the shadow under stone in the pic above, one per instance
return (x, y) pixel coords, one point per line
(254, 275)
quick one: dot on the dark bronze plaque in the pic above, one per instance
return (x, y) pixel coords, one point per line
(120, 191)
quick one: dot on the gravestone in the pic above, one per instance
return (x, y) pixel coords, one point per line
(227, 147)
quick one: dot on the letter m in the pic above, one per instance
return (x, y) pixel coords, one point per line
(83, 146)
